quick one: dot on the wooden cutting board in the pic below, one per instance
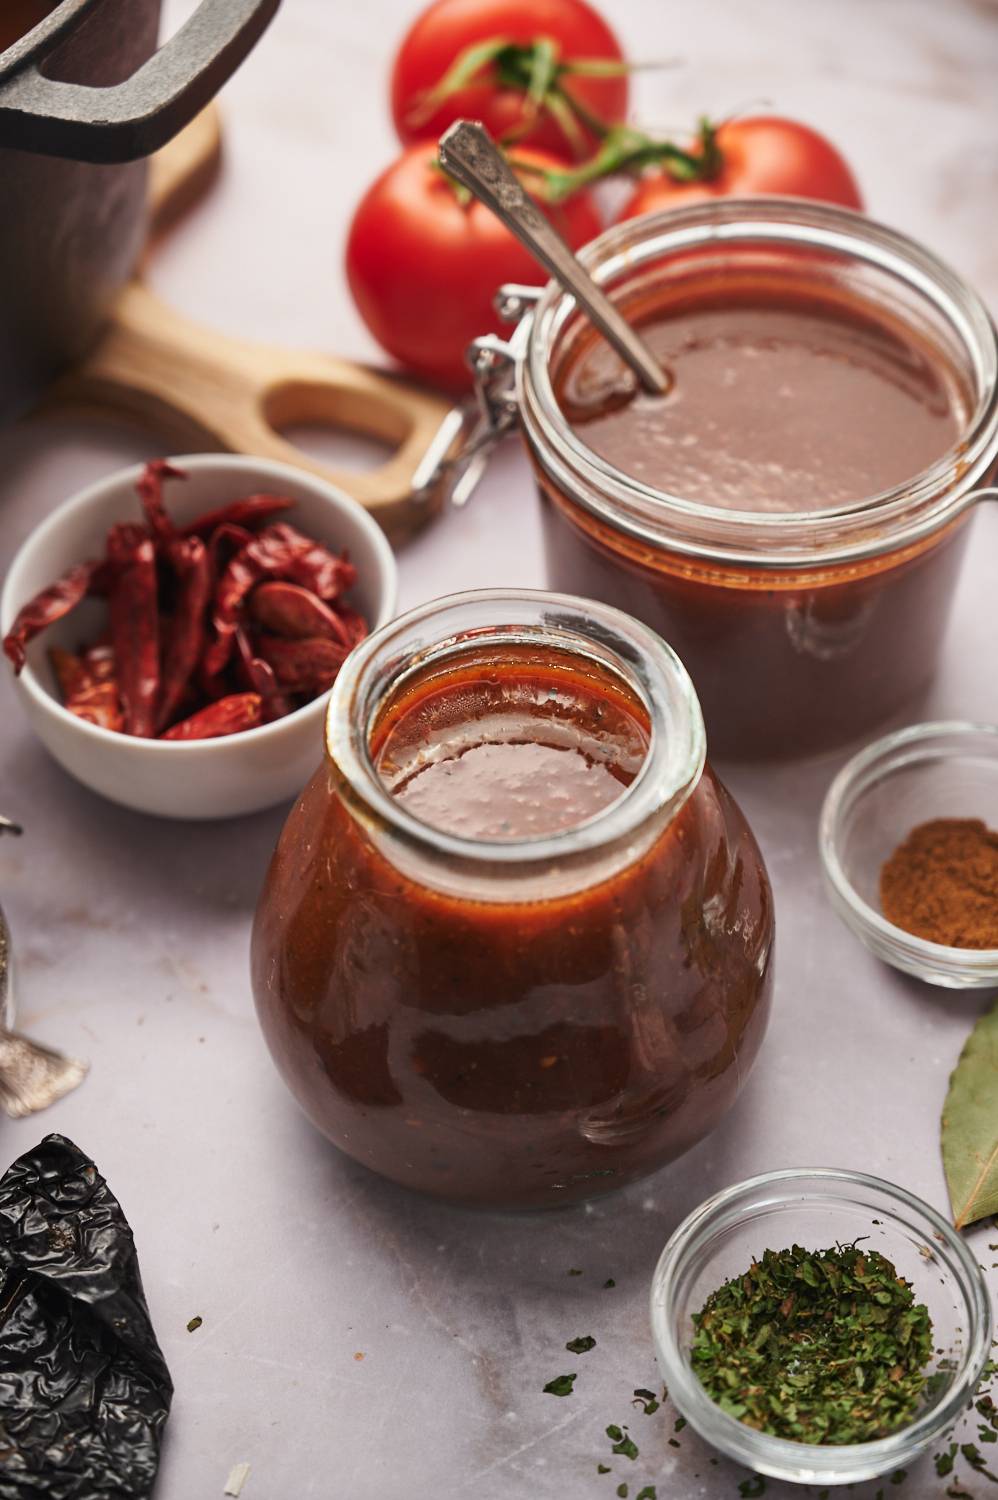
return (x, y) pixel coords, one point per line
(203, 389)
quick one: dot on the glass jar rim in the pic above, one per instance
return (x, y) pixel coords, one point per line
(885, 522)
(780, 1456)
(446, 627)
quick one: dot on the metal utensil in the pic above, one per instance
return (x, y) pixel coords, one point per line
(469, 154)
(32, 1076)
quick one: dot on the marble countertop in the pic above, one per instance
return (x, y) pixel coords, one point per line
(359, 1342)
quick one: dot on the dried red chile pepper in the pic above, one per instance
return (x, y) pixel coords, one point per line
(305, 666)
(279, 551)
(231, 621)
(135, 634)
(288, 609)
(185, 642)
(84, 1389)
(89, 686)
(249, 512)
(227, 716)
(47, 607)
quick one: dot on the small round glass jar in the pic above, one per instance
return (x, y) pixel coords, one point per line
(818, 1208)
(800, 630)
(926, 771)
(518, 1022)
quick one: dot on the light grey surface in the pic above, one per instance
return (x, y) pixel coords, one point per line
(132, 933)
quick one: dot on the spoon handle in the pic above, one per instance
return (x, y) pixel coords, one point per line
(468, 153)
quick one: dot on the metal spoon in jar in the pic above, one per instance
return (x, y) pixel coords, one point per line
(31, 1076)
(469, 154)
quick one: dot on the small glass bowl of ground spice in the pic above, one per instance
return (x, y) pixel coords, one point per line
(827, 1305)
(909, 847)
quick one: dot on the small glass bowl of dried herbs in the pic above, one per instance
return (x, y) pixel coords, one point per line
(823, 1327)
(909, 848)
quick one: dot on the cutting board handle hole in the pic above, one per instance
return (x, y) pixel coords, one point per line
(343, 428)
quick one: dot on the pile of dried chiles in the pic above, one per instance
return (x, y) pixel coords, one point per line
(218, 626)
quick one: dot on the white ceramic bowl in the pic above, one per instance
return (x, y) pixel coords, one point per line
(218, 778)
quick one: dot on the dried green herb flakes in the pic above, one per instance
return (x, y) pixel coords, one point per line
(561, 1385)
(819, 1347)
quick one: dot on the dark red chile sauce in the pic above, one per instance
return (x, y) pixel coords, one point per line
(19, 16)
(528, 1051)
(783, 401)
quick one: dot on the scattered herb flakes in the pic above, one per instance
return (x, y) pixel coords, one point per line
(899, 1476)
(944, 1461)
(622, 1442)
(195, 1324)
(648, 1493)
(750, 1488)
(574, 1272)
(561, 1385)
(622, 1491)
(646, 1399)
(602, 1468)
(582, 1345)
(680, 1424)
(780, 1346)
(608, 1283)
(675, 1443)
(956, 1493)
(977, 1461)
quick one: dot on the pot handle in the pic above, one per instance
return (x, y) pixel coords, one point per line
(136, 117)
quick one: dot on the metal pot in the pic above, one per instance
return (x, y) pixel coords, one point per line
(84, 97)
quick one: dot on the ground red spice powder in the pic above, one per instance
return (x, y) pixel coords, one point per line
(941, 884)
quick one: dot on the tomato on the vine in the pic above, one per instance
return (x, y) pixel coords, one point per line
(424, 265)
(509, 64)
(758, 154)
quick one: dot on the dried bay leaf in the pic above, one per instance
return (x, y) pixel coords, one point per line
(970, 1126)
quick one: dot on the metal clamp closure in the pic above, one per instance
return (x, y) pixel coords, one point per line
(458, 456)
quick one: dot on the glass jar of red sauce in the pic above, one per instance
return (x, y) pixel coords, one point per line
(793, 515)
(515, 943)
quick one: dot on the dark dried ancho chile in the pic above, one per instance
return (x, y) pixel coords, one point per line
(84, 1389)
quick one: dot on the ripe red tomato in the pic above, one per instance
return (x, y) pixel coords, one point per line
(423, 267)
(761, 154)
(448, 27)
